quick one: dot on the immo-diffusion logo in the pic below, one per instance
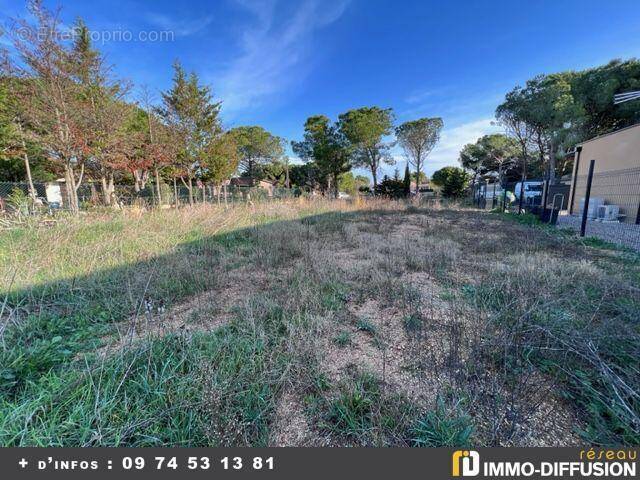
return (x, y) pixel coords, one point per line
(465, 463)
(604, 463)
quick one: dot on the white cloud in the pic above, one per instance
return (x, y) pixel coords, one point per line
(275, 54)
(422, 96)
(448, 148)
(452, 140)
(180, 27)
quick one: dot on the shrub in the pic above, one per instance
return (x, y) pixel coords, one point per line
(453, 180)
(412, 323)
(390, 187)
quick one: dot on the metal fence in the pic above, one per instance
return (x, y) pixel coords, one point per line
(509, 196)
(606, 205)
(51, 197)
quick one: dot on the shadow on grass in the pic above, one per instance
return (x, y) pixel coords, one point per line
(53, 322)
(55, 391)
(56, 320)
(113, 294)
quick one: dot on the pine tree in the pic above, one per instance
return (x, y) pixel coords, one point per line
(188, 108)
(407, 181)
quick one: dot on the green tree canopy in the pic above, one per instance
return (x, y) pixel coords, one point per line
(325, 145)
(421, 178)
(556, 111)
(188, 108)
(407, 180)
(594, 89)
(390, 187)
(220, 159)
(472, 158)
(306, 177)
(546, 103)
(498, 153)
(257, 147)
(365, 129)
(418, 138)
(351, 184)
(452, 180)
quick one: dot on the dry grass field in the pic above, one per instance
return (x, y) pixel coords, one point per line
(315, 324)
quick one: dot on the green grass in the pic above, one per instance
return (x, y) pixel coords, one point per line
(442, 427)
(212, 389)
(413, 323)
(216, 388)
(577, 323)
(334, 294)
(148, 396)
(365, 325)
(363, 413)
(45, 342)
(342, 339)
(528, 219)
(596, 242)
(499, 306)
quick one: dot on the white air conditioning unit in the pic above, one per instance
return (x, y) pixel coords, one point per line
(594, 205)
(608, 213)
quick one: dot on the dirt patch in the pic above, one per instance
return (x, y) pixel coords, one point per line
(201, 313)
(382, 352)
(290, 425)
(429, 361)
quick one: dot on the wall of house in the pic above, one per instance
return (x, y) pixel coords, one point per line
(616, 171)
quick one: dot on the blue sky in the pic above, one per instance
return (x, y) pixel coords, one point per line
(276, 62)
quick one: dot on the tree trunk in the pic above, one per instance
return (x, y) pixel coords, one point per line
(417, 178)
(72, 190)
(336, 190)
(27, 166)
(189, 187)
(287, 181)
(375, 178)
(225, 194)
(94, 194)
(68, 189)
(523, 178)
(175, 192)
(158, 191)
(107, 189)
(552, 162)
(218, 191)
